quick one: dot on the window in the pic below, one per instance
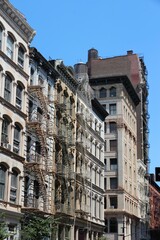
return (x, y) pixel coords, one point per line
(113, 127)
(113, 164)
(19, 96)
(10, 46)
(112, 109)
(113, 225)
(112, 92)
(105, 127)
(7, 88)
(105, 183)
(113, 201)
(106, 225)
(102, 93)
(104, 106)
(113, 183)
(1, 34)
(105, 203)
(13, 189)
(105, 164)
(113, 145)
(3, 170)
(21, 56)
(16, 140)
(5, 130)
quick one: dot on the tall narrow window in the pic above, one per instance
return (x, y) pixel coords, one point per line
(102, 93)
(113, 164)
(16, 140)
(113, 127)
(113, 183)
(1, 34)
(13, 189)
(113, 202)
(113, 145)
(113, 225)
(112, 92)
(21, 57)
(2, 181)
(7, 88)
(5, 130)
(112, 109)
(10, 46)
(19, 96)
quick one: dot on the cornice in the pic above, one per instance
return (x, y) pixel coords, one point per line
(16, 20)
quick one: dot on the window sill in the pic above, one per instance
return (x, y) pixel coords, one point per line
(12, 107)
(12, 154)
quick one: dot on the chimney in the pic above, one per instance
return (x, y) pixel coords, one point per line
(129, 52)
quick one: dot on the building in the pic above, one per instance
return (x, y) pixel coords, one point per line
(154, 198)
(89, 165)
(15, 36)
(39, 168)
(120, 84)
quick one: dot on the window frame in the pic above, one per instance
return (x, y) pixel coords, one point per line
(10, 46)
(103, 93)
(113, 109)
(8, 88)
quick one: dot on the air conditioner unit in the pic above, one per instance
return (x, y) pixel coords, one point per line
(15, 149)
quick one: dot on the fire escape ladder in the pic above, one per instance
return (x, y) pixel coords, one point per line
(38, 91)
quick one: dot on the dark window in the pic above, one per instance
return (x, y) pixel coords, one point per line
(21, 56)
(19, 96)
(106, 226)
(112, 92)
(113, 201)
(105, 183)
(7, 88)
(113, 183)
(10, 46)
(113, 164)
(1, 34)
(102, 93)
(105, 203)
(16, 141)
(113, 145)
(105, 127)
(113, 226)
(5, 126)
(112, 109)
(113, 127)
(13, 189)
(2, 181)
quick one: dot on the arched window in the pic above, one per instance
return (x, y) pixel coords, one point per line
(102, 93)
(14, 184)
(7, 88)
(16, 140)
(10, 46)
(112, 92)
(3, 170)
(21, 53)
(5, 130)
(19, 96)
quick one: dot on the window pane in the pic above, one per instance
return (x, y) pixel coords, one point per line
(112, 109)
(113, 127)
(113, 145)
(13, 190)
(7, 88)
(2, 181)
(113, 164)
(20, 56)
(1, 30)
(113, 92)
(102, 93)
(19, 96)
(113, 202)
(113, 225)
(10, 43)
(113, 183)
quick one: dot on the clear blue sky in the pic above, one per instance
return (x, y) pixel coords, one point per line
(66, 29)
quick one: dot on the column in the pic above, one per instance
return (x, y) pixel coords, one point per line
(1, 121)
(13, 95)
(11, 136)
(87, 235)
(92, 235)
(77, 234)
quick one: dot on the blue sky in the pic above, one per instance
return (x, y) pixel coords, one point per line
(67, 29)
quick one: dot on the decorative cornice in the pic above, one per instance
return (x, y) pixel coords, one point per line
(16, 20)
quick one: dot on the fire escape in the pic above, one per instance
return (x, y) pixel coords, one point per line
(82, 209)
(38, 163)
(64, 145)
